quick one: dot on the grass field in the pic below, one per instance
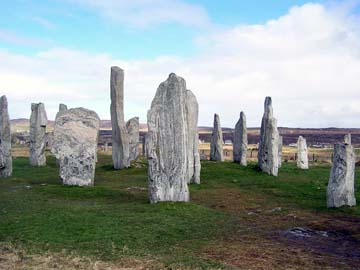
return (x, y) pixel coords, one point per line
(238, 218)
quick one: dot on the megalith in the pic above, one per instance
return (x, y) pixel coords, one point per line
(340, 189)
(302, 154)
(123, 151)
(280, 150)
(132, 128)
(268, 156)
(240, 141)
(168, 141)
(75, 145)
(38, 122)
(193, 155)
(5, 140)
(216, 145)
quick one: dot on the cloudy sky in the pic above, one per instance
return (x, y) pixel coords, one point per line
(232, 54)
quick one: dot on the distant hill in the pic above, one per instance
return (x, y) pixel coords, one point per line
(313, 136)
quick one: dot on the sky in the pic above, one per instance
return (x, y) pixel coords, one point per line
(232, 54)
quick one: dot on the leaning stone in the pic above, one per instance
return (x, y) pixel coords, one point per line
(38, 122)
(302, 155)
(75, 145)
(268, 157)
(240, 140)
(167, 141)
(216, 145)
(132, 127)
(5, 140)
(340, 190)
(120, 142)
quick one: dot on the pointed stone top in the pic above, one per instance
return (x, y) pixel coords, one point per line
(268, 110)
(3, 97)
(242, 114)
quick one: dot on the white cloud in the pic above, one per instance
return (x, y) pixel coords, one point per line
(307, 60)
(11, 37)
(142, 13)
(44, 23)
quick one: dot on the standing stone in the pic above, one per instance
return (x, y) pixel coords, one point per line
(132, 127)
(240, 141)
(167, 141)
(216, 146)
(280, 150)
(268, 157)
(143, 141)
(5, 140)
(38, 122)
(62, 108)
(340, 190)
(302, 154)
(75, 145)
(120, 142)
(194, 165)
(347, 138)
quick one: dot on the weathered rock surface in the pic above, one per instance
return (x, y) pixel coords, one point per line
(302, 154)
(280, 150)
(268, 157)
(240, 140)
(38, 122)
(194, 165)
(120, 142)
(62, 108)
(75, 145)
(125, 136)
(347, 139)
(132, 128)
(167, 141)
(340, 190)
(5, 140)
(216, 145)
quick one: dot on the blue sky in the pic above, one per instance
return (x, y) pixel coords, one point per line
(52, 23)
(231, 53)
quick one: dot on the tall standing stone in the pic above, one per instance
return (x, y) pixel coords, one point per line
(268, 157)
(302, 154)
(194, 165)
(240, 140)
(280, 150)
(75, 145)
(340, 190)
(132, 127)
(216, 146)
(5, 140)
(120, 142)
(167, 141)
(38, 122)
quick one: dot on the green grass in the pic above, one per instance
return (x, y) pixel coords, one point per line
(114, 219)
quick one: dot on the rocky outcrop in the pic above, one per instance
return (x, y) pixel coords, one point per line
(240, 141)
(5, 140)
(302, 154)
(340, 190)
(123, 151)
(38, 122)
(268, 157)
(168, 141)
(216, 145)
(75, 145)
(132, 128)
